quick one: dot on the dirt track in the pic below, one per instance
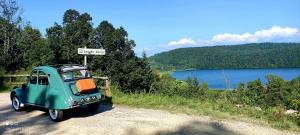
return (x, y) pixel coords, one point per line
(120, 120)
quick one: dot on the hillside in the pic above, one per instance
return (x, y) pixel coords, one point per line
(255, 55)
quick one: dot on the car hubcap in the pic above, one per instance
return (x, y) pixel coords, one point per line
(53, 113)
(16, 103)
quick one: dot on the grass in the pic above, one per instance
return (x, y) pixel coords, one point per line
(218, 108)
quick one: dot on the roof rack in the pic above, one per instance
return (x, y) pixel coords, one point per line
(63, 65)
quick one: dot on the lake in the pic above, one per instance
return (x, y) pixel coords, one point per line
(217, 79)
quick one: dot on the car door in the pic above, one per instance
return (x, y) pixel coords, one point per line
(31, 88)
(37, 89)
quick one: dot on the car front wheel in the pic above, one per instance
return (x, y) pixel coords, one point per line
(56, 115)
(16, 104)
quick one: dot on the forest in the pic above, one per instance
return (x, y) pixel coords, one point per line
(254, 55)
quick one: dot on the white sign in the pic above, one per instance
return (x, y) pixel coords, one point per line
(87, 51)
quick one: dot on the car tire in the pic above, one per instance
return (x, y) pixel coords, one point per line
(16, 104)
(93, 106)
(56, 115)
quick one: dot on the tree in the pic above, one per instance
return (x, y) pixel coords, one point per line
(10, 11)
(193, 86)
(54, 41)
(77, 30)
(276, 90)
(34, 48)
(9, 34)
(70, 16)
(292, 98)
(147, 73)
(120, 63)
(255, 93)
(9, 50)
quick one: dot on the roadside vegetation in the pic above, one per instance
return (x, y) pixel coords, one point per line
(251, 102)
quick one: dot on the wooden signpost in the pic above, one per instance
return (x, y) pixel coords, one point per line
(89, 51)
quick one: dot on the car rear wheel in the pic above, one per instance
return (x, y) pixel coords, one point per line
(93, 106)
(56, 115)
(16, 104)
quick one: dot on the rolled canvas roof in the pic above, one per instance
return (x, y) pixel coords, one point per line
(70, 68)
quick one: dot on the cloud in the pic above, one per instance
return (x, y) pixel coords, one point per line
(227, 37)
(277, 31)
(274, 34)
(183, 41)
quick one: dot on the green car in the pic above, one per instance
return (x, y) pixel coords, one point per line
(57, 88)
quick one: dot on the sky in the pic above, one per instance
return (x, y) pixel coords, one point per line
(162, 25)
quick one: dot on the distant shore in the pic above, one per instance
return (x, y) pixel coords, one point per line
(190, 69)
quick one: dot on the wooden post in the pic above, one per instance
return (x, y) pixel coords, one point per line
(107, 88)
(85, 59)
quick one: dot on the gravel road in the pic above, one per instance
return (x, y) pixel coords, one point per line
(120, 120)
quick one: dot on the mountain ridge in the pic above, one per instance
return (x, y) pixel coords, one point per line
(252, 55)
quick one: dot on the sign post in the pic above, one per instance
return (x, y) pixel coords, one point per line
(89, 51)
(85, 59)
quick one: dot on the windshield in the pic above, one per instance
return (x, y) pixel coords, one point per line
(75, 75)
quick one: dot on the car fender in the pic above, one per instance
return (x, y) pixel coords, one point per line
(19, 92)
(56, 99)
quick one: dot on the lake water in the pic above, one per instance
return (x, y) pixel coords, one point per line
(217, 79)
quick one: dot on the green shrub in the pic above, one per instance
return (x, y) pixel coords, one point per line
(293, 99)
(276, 90)
(3, 82)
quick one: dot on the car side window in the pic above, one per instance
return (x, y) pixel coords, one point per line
(43, 78)
(33, 77)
